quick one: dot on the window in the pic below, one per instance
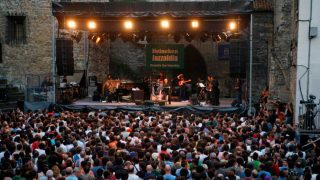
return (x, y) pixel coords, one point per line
(16, 30)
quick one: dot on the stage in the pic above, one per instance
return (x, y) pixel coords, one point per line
(87, 104)
(224, 103)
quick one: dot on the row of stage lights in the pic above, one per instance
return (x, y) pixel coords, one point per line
(129, 25)
(147, 36)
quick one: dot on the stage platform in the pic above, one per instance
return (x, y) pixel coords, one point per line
(182, 107)
(225, 102)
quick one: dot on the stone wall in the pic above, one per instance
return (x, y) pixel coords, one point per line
(34, 57)
(262, 42)
(131, 57)
(98, 64)
(293, 51)
(281, 63)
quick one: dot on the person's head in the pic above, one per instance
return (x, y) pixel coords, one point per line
(49, 173)
(149, 168)
(167, 169)
(99, 172)
(131, 169)
(69, 171)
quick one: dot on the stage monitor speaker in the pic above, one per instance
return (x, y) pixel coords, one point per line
(148, 103)
(64, 57)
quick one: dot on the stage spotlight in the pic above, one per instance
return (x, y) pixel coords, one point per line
(165, 24)
(71, 24)
(77, 36)
(224, 36)
(194, 24)
(90, 36)
(94, 38)
(204, 36)
(99, 39)
(188, 37)
(176, 37)
(232, 25)
(92, 25)
(135, 37)
(235, 35)
(113, 36)
(128, 25)
(216, 37)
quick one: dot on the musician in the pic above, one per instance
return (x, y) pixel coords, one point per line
(183, 87)
(201, 90)
(215, 91)
(209, 89)
(167, 90)
(160, 80)
(106, 87)
(146, 88)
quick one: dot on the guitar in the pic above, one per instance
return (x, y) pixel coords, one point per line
(182, 82)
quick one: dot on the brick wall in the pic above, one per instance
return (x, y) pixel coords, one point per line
(34, 56)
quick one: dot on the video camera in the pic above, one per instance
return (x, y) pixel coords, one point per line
(310, 102)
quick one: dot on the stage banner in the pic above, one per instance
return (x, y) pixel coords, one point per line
(223, 51)
(165, 56)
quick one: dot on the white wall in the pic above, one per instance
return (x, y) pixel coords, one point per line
(303, 51)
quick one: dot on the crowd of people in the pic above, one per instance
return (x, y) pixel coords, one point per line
(152, 145)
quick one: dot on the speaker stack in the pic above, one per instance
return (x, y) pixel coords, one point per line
(64, 54)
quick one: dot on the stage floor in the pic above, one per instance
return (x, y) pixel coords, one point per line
(224, 102)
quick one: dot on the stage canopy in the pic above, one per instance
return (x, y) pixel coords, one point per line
(109, 16)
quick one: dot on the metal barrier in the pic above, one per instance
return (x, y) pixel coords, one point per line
(39, 88)
(309, 116)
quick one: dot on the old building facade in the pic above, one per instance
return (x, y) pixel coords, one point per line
(30, 51)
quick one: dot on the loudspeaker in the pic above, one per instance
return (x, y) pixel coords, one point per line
(96, 96)
(64, 54)
(20, 105)
(239, 54)
(148, 103)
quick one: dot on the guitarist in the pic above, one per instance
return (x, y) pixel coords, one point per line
(182, 87)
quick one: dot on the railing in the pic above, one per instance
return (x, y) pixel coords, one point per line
(309, 116)
(39, 89)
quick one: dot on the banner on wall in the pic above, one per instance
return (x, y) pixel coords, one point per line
(165, 56)
(223, 51)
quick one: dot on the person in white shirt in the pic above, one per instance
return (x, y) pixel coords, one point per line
(132, 175)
